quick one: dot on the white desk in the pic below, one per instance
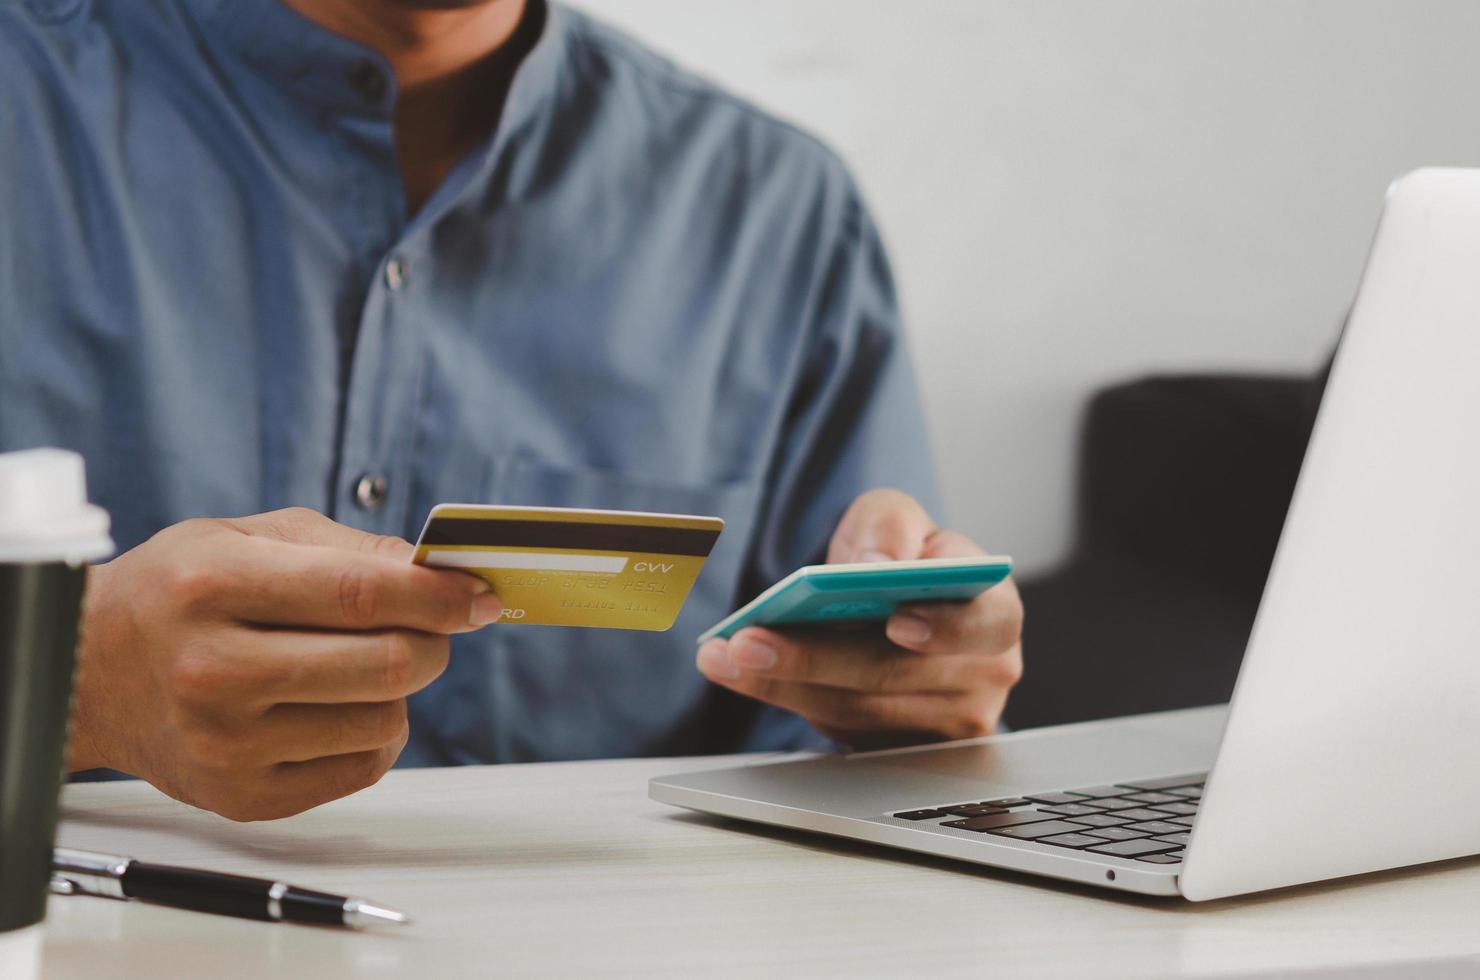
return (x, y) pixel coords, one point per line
(569, 869)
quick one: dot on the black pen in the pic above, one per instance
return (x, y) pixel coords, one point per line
(110, 876)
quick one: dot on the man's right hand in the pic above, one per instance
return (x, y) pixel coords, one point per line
(258, 667)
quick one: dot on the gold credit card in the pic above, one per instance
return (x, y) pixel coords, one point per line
(555, 566)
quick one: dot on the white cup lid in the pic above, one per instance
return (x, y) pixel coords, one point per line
(20, 953)
(44, 513)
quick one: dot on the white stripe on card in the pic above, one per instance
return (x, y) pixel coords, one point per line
(534, 561)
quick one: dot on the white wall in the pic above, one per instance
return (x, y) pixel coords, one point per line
(1077, 192)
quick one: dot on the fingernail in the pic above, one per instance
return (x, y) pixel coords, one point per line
(908, 629)
(486, 608)
(872, 555)
(753, 654)
(714, 659)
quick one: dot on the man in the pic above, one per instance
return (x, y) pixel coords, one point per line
(365, 256)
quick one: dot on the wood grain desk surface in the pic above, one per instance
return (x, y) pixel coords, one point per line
(568, 869)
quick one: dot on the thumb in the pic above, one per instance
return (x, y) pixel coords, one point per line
(300, 525)
(881, 525)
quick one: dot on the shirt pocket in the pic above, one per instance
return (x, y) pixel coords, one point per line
(528, 482)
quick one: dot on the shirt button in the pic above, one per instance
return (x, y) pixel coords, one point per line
(368, 80)
(370, 491)
(395, 273)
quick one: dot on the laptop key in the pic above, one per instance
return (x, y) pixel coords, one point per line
(1117, 803)
(1070, 840)
(971, 810)
(1190, 792)
(1133, 848)
(1011, 819)
(1154, 798)
(1098, 792)
(1117, 833)
(1185, 808)
(1184, 821)
(919, 814)
(1051, 798)
(1141, 813)
(1167, 782)
(1033, 831)
(1181, 840)
(1161, 858)
(1008, 802)
(1100, 820)
(1072, 809)
(1156, 827)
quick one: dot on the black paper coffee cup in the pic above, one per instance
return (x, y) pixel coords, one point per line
(48, 531)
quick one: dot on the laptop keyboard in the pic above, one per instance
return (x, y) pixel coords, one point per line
(1149, 819)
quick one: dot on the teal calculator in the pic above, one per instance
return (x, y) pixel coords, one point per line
(867, 592)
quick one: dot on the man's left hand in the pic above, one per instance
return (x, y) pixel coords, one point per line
(936, 670)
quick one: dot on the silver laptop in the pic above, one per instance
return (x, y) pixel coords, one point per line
(1352, 742)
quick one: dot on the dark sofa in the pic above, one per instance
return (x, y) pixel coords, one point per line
(1183, 485)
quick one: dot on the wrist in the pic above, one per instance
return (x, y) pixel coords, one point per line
(80, 754)
(82, 743)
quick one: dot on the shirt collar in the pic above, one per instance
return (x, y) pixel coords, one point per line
(322, 67)
(539, 73)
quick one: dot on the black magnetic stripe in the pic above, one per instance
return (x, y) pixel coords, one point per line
(570, 534)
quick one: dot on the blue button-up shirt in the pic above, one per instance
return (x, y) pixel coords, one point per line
(639, 293)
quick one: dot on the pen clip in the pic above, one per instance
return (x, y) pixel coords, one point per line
(88, 873)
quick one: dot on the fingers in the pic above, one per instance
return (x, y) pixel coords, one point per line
(272, 666)
(300, 525)
(303, 785)
(990, 623)
(258, 667)
(853, 660)
(300, 732)
(936, 669)
(881, 525)
(845, 713)
(266, 581)
(290, 758)
(950, 544)
(291, 787)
